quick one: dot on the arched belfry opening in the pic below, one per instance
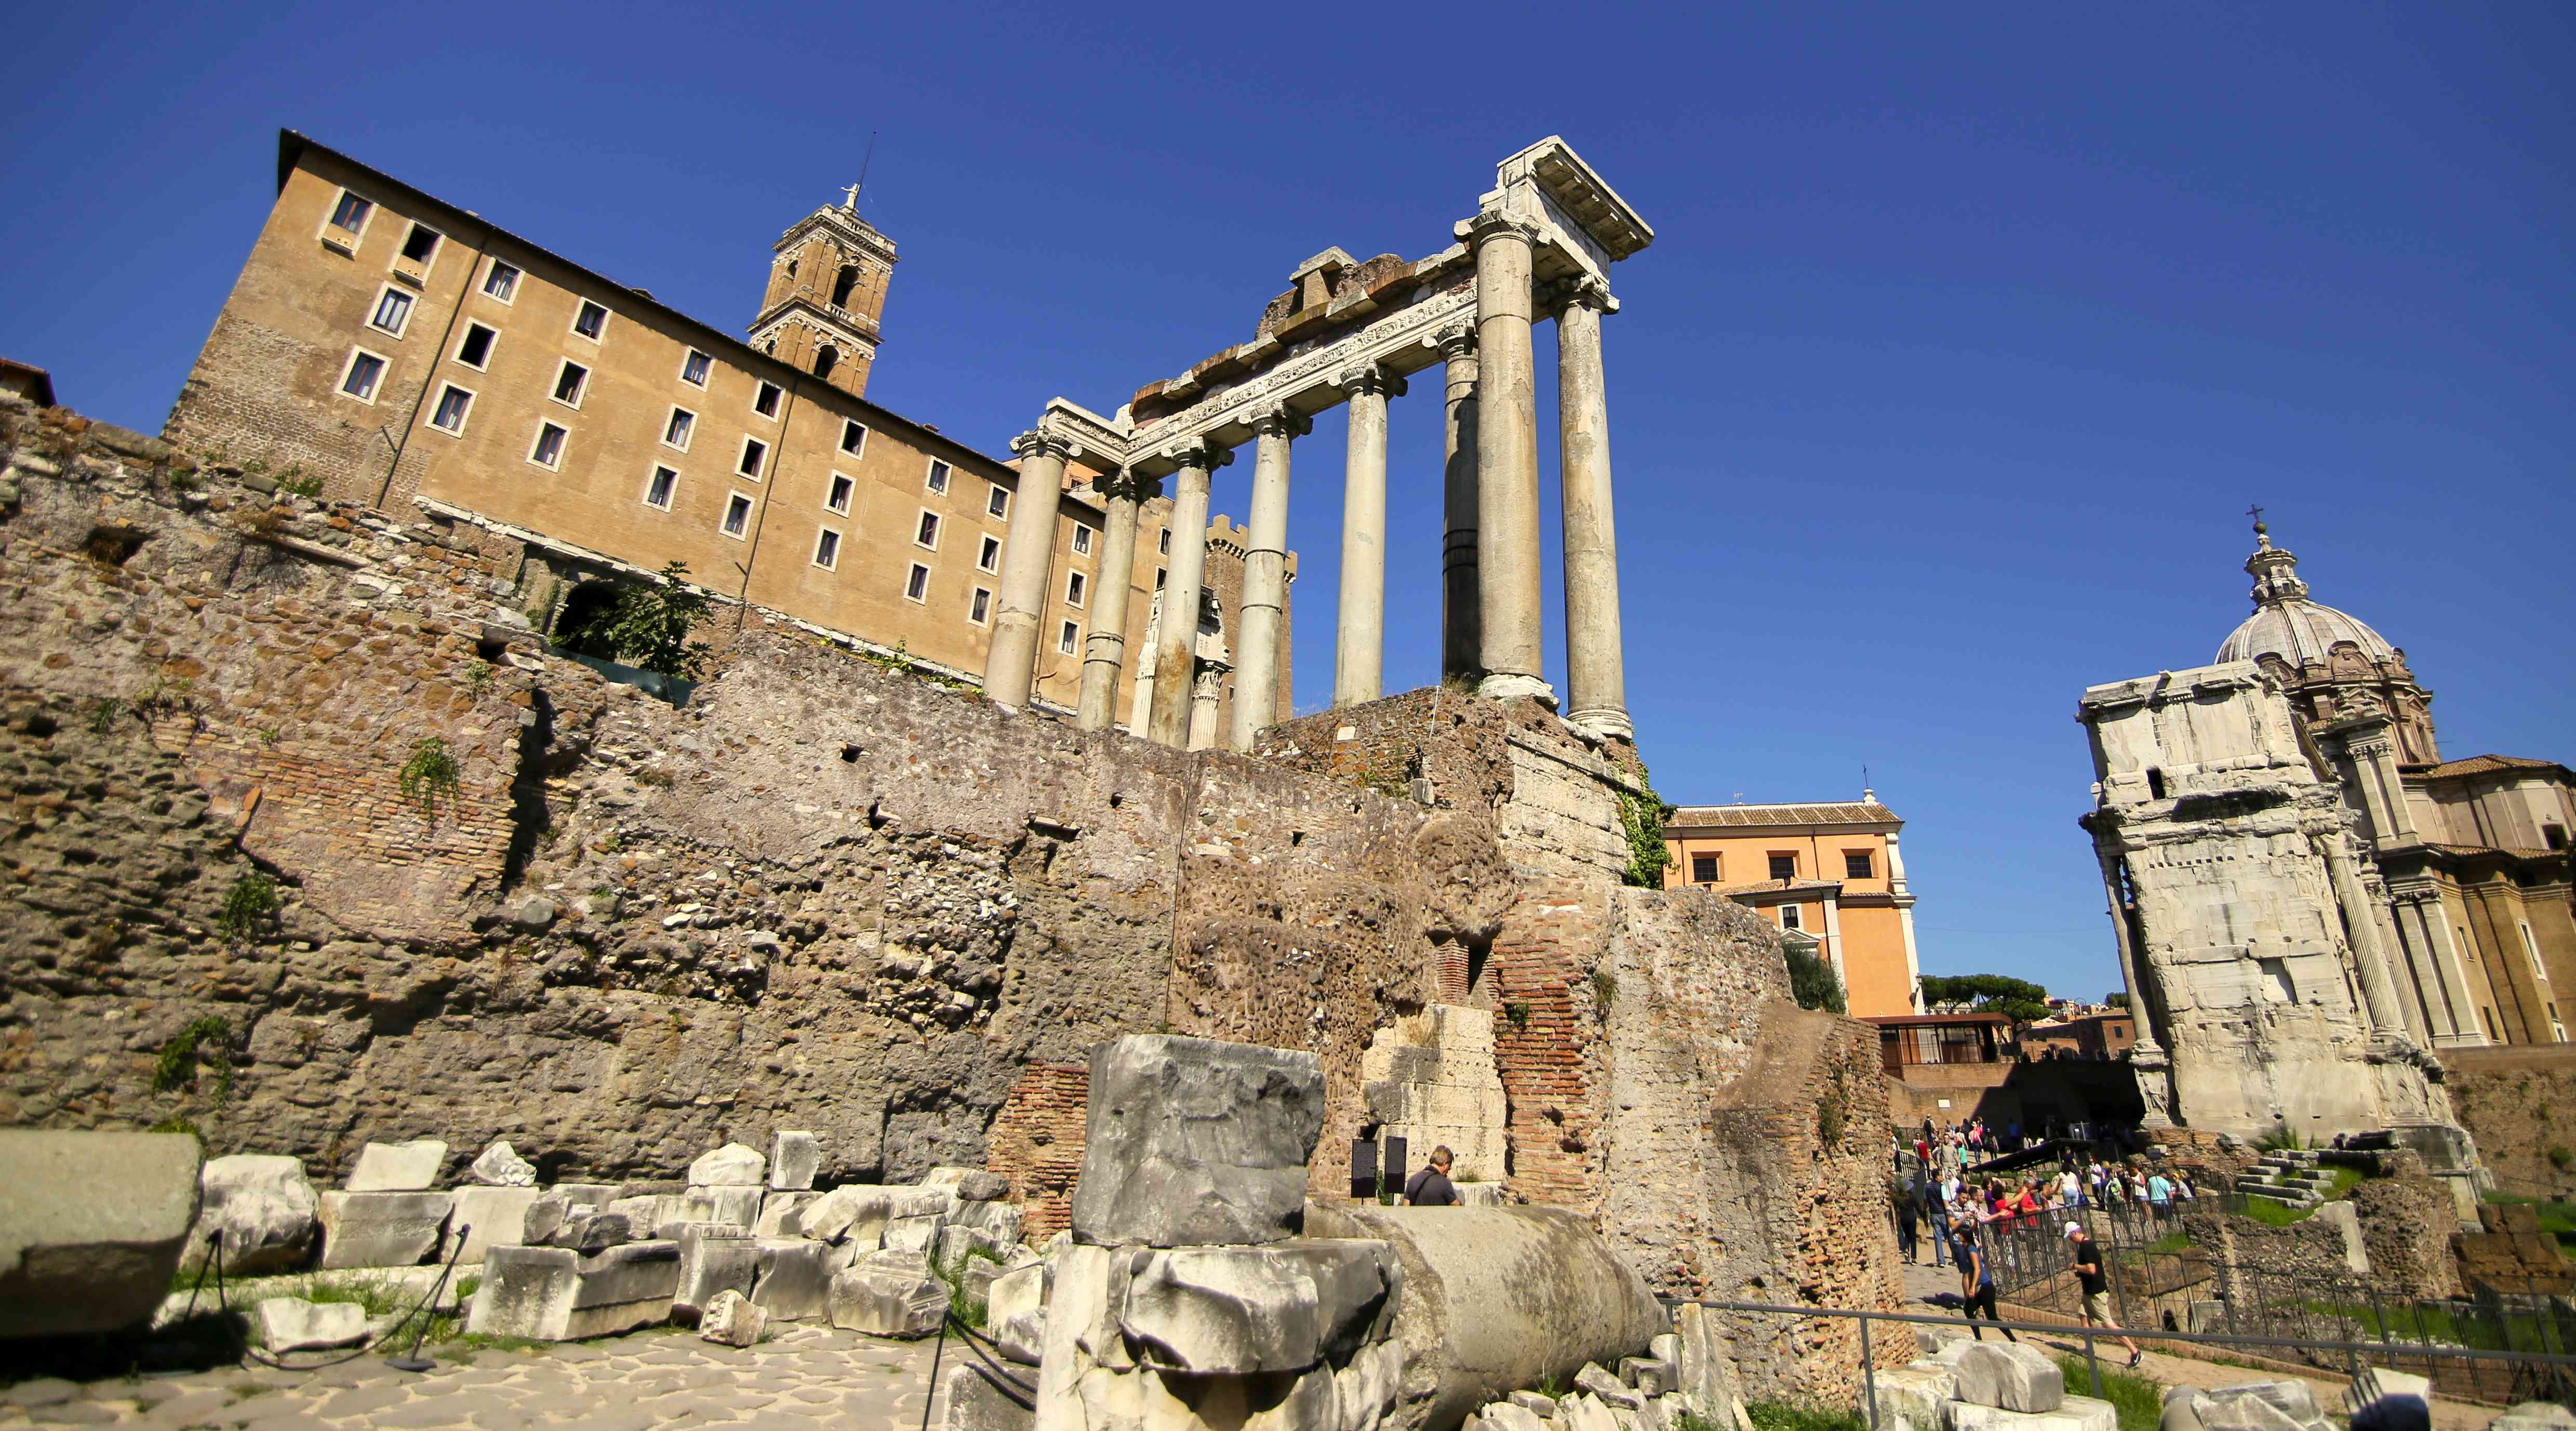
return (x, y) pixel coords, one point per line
(843, 284)
(826, 360)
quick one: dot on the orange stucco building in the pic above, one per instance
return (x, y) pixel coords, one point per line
(1830, 870)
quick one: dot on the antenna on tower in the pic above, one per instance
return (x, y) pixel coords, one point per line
(871, 157)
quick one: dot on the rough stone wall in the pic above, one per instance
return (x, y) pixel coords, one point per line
(2520, 1104)
(2406, 1224)
(2311, 1251)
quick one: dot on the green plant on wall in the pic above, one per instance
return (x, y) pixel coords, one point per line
(250, 903)
(204, 1037)
(429, 776)
(1812, 982)
(650, 625)
(1642, 814)
(1605, 990)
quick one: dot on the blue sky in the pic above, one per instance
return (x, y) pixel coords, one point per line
(1968, 335)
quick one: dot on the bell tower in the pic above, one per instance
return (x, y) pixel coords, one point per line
(827, 291)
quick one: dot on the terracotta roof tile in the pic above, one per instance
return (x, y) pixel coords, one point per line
(1849, 813)
(2486, 764)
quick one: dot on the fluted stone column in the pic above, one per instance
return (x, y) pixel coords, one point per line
(1460, 621)
(1359, 645)
(1206, 689)
(1105, 652)
(1176, 647)
(1028, 549)
(2378, 992)
(1510, 642)
(1265, 576)
(1596, 681)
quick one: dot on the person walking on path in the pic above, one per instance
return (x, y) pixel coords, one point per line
(2087, 1261)
(1902, 1197)
(1431, 1186)
(1976, 1279)
(1935, 1200)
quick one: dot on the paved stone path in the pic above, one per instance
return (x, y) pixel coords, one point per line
(802, 1377)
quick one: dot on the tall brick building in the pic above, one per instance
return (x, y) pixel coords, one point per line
(410, 356)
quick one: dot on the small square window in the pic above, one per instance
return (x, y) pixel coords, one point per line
(590, 320)
(838, 499)
(854, 438)
(737, 517)
(675, 433)
(453, 403)
(1081, 540)
(937, 481)
(1073, 585)
(393, 311)
(501, 281)
(1163, 542)
(916, 585)
(1067, 638)
(1784, 866)
(980, 610)
(547, 450)
(1858, 865)
(827, 549)
(1160, 576)
(693, 368)
(988, 557)
(997, 502)
(1703, 869)
(365, 371)
(926, 533)
(474, 350)
(351, 212)
(420, 243)
(765, 402)
(570, 379)
(1790, 918)
(657, 492)
(754, 453)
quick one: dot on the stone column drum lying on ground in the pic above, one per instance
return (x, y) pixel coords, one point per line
(266, 1209)
(1193, 1142)
(90, 1227)
(382, 1229)
(555, 1294)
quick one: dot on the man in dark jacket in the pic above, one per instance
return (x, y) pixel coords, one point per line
(1431, 1186)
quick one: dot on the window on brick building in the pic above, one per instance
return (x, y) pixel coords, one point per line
(737, 517)
(360, 379)
(453, 404)
(980, 610)
(1790, 918)
(765, 401)
(1073, 585)
(827, 549)
(548, 449)
(694, 367)
(937, 480)
(393, 311)
(501, 281)
(1081, 540)
(570, 380)
(916, 583)
(474, 350)
(420, 244)
(997, 502)
(658, 488)
(1703, 869)
(590, 320)
(854, 438)
(676, 432)
(1067, 637)
(1163, 543)
(1784, 867)
(926, 532)
(988, 557)
(350, 213)
(754, 453)
(1858, 865)
(838, 499)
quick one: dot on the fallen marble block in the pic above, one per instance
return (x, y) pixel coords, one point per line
(2535, 1416)
(954, 1245)
(648, 1213)
(488, 1217)
(1021, 1337)
(2008, 1376)
(2281, 1405)
(382, 1229)
(1585, 1412)
(1533, 1403)
(1021, 1289)
(1244, 1311)
(1707, 1369)
(1001, 1221)
(397, 1167)
(1516, 1414)
(794, 1281)
(970, 1184)
(554, 1294)
(598, 1195)
(2072, 1413)
(714, 1260)
(90, 1227)
(266, 1209)
(592, 1232)
(501, 1166)
(729, 1203)
(914, 1234)
(982, 1398)
(860, 1212)
(794, 1158)
(887, 1302)
(732, 1165)
(1365, 1388)
(292, 1324)
(782, 1213)
(1915, 1392)
(2181, 1409)
(1194, 1142)
(2378, 1382)
(1613, 1392)
(732, 1320)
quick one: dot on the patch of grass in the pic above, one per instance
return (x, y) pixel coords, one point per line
(1516, 1014)
(176, 1067)
(2557, 1216)
(103, 713)
(2275, 1214)
(1788, 1416)
(2169, 1244)
(1605, 989)
(250, 903)
(1553, 1387)
(2139, 1400)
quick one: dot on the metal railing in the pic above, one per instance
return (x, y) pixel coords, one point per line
(2555, 1372)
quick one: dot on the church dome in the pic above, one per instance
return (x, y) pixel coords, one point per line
(2287, 624)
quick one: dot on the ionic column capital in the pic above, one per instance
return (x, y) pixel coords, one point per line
(1371, 380)
(1035, 443)
(1490, 224)
(1581, 289)
(1282, 422)
(1127, 485)
(1457, 341)
(1201, 454)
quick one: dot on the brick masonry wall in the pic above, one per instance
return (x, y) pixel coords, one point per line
(1037, 1141)
(2520, 1105)
(2406, 1226)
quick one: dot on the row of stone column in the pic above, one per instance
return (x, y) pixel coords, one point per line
(1491, 604)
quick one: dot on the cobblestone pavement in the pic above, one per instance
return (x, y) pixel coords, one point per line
(802, 1377)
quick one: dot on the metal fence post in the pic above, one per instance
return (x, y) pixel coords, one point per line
(2093, 1363)
(1868, 1378)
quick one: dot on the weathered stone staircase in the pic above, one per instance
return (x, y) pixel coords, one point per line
(2291, 1177)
